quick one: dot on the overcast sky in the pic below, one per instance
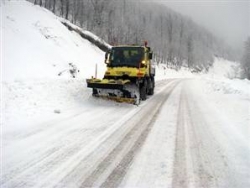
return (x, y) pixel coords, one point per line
(229, 19)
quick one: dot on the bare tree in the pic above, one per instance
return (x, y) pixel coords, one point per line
(98, 6)
(67, 9)
(245, 62)
(62, 7)
(190, 51)
(175, 39)
(54, 6)
(180, 56)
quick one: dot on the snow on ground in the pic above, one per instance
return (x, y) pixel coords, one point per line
(227, 111)
(37, 45)
(38, 104)
(36, 48)
(223, 68)
(230, 96)
(162, 72)
(206, 121)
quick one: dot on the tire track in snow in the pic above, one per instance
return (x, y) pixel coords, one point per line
(180, 168)
(110, 172)
(191, 159)
(49, 150)
(199, 161)
(211, 167)
(49, 157)
(203, 170)
(79, 166)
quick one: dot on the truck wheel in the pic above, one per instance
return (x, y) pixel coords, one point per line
(143, 92)
(94, 92)
(151, 89)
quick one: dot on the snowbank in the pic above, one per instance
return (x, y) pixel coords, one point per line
(222, 78)
(223, 68)
(162, 72)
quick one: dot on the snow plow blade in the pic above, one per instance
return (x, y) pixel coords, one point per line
(106, 83)
(118, 99)
(116, 90)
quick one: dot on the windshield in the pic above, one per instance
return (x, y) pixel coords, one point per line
(126, 56)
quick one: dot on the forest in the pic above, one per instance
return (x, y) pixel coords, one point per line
(176, 40)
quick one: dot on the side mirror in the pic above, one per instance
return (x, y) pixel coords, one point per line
(107, 57)
(150, 55)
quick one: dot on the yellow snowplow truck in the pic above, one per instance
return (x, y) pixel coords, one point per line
(129, 76)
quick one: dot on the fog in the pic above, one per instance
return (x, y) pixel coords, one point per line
(227, 19)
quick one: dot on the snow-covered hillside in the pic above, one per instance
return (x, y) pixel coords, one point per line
(36, 48)
(37, 45)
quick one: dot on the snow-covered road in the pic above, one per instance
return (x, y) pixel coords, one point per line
(177, 138)
(194, 132)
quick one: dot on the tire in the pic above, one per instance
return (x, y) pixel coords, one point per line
(143, 91)
(152, 87)
(94, 92)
